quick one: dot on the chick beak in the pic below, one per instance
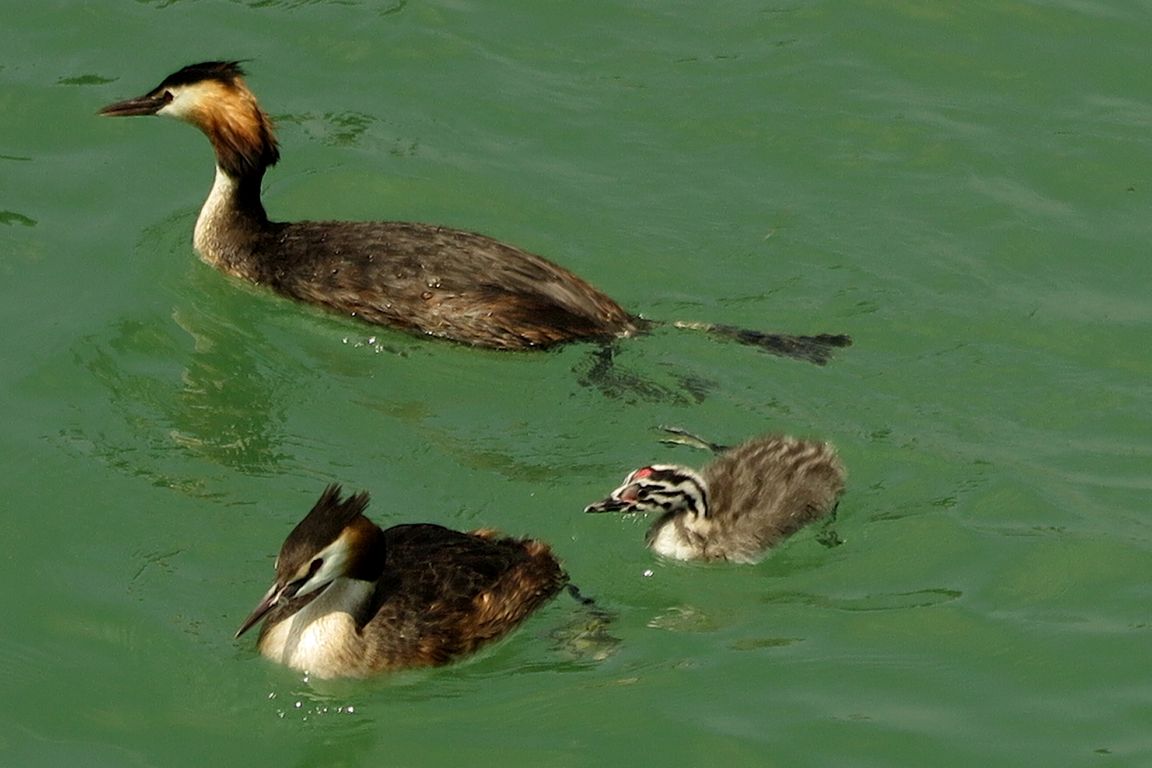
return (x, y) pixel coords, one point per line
(611, 504)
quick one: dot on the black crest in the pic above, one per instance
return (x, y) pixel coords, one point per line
(321, 526)
(224, 71)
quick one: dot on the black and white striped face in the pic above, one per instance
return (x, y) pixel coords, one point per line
(659, 488)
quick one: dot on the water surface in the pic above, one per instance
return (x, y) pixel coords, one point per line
(963, 189)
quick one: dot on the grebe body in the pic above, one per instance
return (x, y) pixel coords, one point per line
(420, 278)
(751, 497)
(352, 600)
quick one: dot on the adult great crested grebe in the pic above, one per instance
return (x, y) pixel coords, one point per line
(421, 278)
(352, 600)
(751, 497)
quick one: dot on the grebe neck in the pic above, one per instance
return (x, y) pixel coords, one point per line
(231, 223)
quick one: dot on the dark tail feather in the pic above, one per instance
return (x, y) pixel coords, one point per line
(815, 349)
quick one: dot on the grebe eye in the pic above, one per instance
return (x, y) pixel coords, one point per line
(296, 585)
(313, 567)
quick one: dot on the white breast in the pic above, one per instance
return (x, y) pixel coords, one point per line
(321, 638)
(669, 540)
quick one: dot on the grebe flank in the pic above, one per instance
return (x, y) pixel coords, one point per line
(416, 277)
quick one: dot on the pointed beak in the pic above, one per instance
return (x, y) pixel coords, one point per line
(270, 599)
(144, 105)
(611, 504)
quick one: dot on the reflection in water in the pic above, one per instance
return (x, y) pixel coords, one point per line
(684, 618)
(337, 129)
(213, 401)
(362, 7)
(187, 382)
(600, 371)
(11, 217)
(586, 637)
(881, 601)
(229, 414)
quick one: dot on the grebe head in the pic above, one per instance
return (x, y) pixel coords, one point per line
(333, 541)
(213, 97)
(658, 488)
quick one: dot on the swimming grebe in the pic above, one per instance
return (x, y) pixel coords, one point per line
(351, 600)
(416, 277)
(747, 500)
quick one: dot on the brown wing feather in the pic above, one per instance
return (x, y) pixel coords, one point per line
(439, 281)
(447, 593)
(767, 488)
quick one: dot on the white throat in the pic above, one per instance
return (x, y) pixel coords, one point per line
(322, 638)
(207, 238)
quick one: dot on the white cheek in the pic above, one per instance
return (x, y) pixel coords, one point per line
(185, 99)
(177, 108)
(335, 560)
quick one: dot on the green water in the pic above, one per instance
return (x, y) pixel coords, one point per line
(964, 188)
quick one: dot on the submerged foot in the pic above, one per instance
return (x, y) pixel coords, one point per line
(600, 371)
(816, 349)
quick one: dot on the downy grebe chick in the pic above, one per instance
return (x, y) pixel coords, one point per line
(417, 277)
(351, 600)
(748, 499)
